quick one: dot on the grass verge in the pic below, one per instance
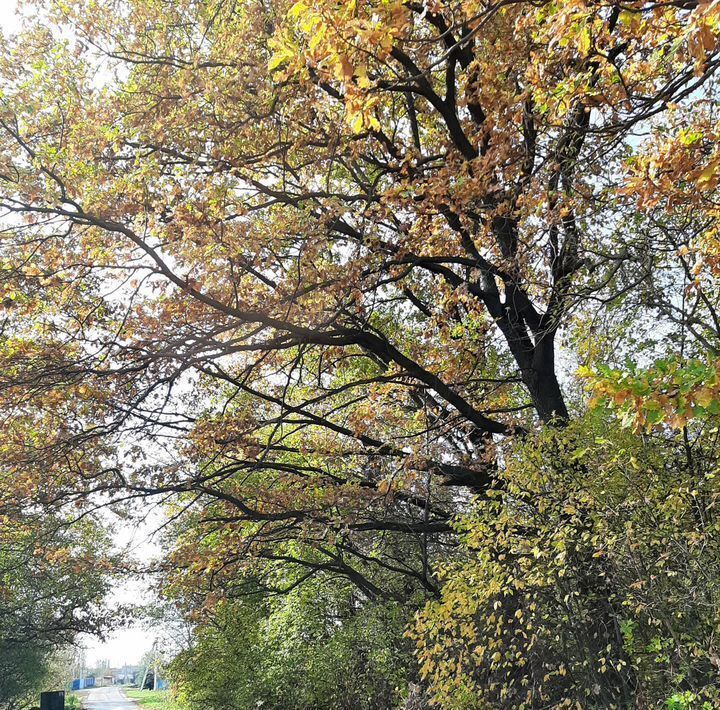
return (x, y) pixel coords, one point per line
(73, 701)
(151, 699)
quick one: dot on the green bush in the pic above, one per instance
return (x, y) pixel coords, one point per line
(592, 579)
(317, 647)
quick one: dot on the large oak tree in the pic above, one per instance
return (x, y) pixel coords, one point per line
(305, 267)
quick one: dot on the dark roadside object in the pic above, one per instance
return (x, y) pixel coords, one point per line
(52, 701)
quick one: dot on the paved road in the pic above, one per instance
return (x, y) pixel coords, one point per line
(107, 699)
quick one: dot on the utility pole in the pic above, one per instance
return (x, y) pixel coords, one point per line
(152, 664)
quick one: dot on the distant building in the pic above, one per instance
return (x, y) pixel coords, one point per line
(126, 674)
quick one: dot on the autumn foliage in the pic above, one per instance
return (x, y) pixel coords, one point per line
(415, 297)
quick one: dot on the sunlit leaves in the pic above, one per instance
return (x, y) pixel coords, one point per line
(671, 392)
(517, 615)
(317, 274)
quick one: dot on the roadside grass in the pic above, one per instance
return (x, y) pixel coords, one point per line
(72, 701)
(151, 699)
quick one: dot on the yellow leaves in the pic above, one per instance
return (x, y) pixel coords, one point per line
(297, 10)
(360, 111)
(629, 19)
(336, 41)
(708, 177)
(280, 57)
(317, 38)
(584, 41)
(705, 396)
(361, 73)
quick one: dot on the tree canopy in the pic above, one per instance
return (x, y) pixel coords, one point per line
(419, 296)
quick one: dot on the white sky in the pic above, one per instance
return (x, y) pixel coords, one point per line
(126, 645)
(8, 18)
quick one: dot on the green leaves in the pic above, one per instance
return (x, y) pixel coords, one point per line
(672, 391)
(599, 516)
(311, 648)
